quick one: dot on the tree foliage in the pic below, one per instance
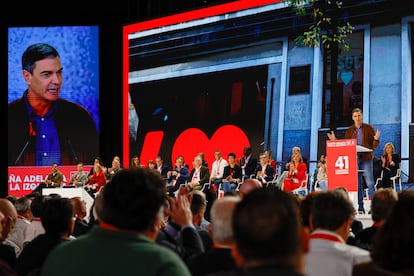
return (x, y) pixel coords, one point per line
(328, 27)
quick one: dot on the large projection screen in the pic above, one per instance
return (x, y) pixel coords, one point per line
(78, 48)
(177, 109)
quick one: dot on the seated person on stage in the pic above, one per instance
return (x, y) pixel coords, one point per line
(296, 174)
(248, 162)
(199, 175)
(271, 161)
(177, 176)
(320, 175)
(114, 169)
(79, 178)
(217, 169)
(96, 181)
(55, 178)
(390, 164)
(232, 174)
(285, 172)
(264, 171)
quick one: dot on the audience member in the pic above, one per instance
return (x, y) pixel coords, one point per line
(177, 176)
(161, 167)
(199, 175)
(264, 171)
(286, 168)
(271, 161)
(17, 235)
(248, 163)
(392, 252)
(198, 208)
(296, 174)
(79, 212)
(97, 160)
(203, 159)
(7, 252)
(55, 178)
(177, 230)
(35, 228)
(135, 162)
(218, 257)
(320, 175)
(365, 136)
(232, 174)
(151, 164)
(268, 234)
(130, 212)
(383, 201)
(390, 162)
(79, 178)
(114, 169)
(217, 169)
(96, 181)
(5, 268)
(332, 213)
(249, 185)
(57, 220)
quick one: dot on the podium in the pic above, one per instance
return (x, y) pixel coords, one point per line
(342, 164)
(72, 192)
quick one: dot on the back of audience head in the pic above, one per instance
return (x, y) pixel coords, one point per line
(267, 230)
(394, 241)
(221, 215)
(198, 204)
(23, 207)
(249, 185)
(37, 205)
(132, 200)
(331, 209)
(57, 216)
(10, 217)
(382, 202)
(79, 207)
(305, 208)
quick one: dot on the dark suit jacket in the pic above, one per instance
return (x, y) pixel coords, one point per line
(78, 136)
(213, 260)
(237, 172)
(368, 140)
(251, 165)
(269, 171)
(189, 243)
(204, 175)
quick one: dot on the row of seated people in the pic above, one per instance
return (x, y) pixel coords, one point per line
(242, 235)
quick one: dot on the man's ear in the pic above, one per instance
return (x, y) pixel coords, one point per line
(237, 257)
(305, 238)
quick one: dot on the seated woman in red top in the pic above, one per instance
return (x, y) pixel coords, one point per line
(96, 181)
(296, 174)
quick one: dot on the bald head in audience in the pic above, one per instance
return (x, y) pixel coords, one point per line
(249, 185)
(10, 216)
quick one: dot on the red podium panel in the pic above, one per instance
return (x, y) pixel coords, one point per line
(342, 164)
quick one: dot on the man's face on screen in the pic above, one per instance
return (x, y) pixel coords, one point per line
(46, 80)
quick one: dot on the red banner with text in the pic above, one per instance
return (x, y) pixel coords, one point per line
(23, 180)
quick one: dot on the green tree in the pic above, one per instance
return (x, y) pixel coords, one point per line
(329, 28)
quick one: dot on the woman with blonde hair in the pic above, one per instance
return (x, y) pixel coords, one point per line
(390, 164)
(296, 174)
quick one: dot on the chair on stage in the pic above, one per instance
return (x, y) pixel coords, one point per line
(397, 179)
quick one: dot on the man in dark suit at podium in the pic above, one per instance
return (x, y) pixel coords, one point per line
(367, 137)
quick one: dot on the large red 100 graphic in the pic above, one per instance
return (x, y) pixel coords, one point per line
(190, 142)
